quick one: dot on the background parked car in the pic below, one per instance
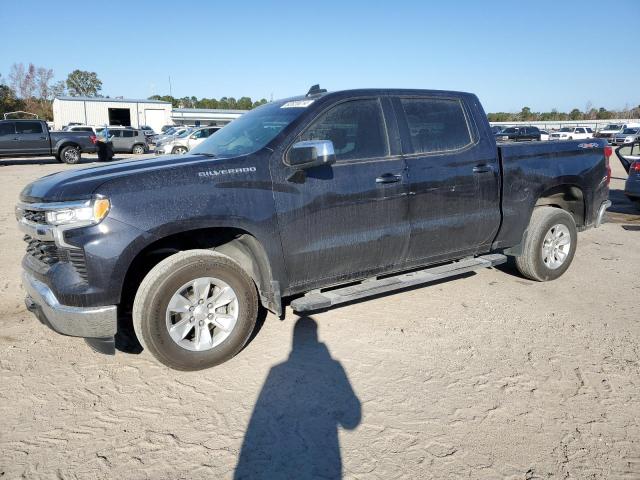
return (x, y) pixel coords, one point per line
(629, 155)
(185, 142)
(544, 135)
(79, 128)
(497, 129)
(609, 130)
(518, 134)
(572, 133)
(628, 135)
(127, 140)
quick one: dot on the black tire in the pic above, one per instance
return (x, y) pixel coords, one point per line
(70, 154)
(57, 157)
(531, 263)
(179, 151)
(137, 149)
(156, 290)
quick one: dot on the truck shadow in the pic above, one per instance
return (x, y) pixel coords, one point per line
(293, 430)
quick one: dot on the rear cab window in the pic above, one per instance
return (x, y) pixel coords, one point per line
(356, 128)
(7, 128)
(436, 124)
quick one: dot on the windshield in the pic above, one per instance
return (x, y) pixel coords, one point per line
(629, 131)
(185, 133)
(251, 131)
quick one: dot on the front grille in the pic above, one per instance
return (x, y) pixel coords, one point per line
(46, 252)
(49, 254)
(35, 216)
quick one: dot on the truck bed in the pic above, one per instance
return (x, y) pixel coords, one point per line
(534, 169)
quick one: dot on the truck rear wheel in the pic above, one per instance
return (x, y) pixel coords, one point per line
(70, 155)
(195, 309)
(549, 246)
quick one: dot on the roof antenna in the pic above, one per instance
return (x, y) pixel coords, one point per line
(316, 90)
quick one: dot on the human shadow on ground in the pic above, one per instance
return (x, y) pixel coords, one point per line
(293, 431)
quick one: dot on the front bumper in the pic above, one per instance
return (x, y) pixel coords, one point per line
(88, 322)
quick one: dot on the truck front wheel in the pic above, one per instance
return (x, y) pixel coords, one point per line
(195, 309)
(549, 246)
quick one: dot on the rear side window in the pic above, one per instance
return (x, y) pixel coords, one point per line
(355, 127)
(127, 133)
(7, 128)
(580, 130)
(436, 125)
(29, 127)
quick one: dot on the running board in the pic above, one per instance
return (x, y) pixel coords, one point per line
(317, 300)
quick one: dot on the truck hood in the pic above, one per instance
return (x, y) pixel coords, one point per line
(80, 184)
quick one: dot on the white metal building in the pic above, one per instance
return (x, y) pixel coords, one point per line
(204, 116)
(111, 111)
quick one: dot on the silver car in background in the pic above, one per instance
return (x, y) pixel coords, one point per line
(628, 135)
(185, 142)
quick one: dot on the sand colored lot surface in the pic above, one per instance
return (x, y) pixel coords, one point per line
(486, 376)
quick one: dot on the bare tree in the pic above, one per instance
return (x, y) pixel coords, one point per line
(43, 77)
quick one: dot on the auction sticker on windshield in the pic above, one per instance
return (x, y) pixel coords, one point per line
(297, 104)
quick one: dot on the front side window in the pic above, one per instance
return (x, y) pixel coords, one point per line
(355, 127)
(580, 130)
(29, 127)
(437, 125)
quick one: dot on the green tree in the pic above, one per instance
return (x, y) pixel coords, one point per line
(575, 114)
(603, 114)
(81, 83)
(8, 100)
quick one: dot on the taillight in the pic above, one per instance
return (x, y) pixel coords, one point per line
(635, 167)
(93, 139)
(608, 151)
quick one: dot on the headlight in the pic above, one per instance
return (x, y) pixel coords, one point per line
(89, 213)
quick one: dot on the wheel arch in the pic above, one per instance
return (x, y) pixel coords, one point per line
(567, 197)
(236, 243)
(66, 143)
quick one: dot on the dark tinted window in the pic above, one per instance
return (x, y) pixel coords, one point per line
(356, 129)
(115, 133)
(82, 129)
(128, 133)
(534, 130)
(7, 128)
(580, 130)
(436, 125)
(28, 127)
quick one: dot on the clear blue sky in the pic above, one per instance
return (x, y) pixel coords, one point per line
(542, 54)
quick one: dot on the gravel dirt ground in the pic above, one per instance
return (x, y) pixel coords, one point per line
(487, 376)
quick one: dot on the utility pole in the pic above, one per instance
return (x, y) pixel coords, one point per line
(170, 92)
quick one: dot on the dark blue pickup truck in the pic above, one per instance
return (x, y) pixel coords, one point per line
(314, 200)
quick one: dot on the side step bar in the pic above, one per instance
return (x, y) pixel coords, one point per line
(317, 300)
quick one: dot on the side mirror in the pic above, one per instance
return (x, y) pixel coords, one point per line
(311, 153)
